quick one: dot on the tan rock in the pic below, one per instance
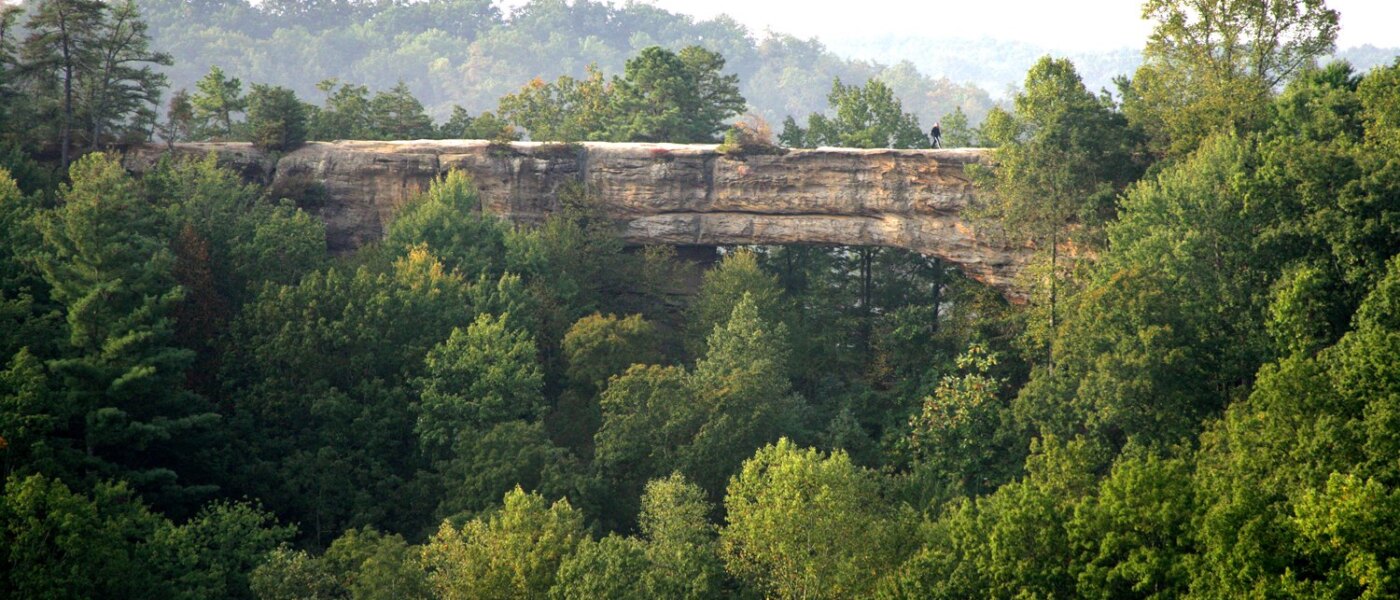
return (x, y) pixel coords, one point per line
(657, 193)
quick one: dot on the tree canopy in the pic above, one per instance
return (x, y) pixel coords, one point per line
(198, 400)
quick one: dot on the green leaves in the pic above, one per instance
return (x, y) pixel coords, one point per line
(216, 99)
(653, 99)
(60, 544)
(597, 348)
(60, 53)
(1133, 539)
(648, 414)
(958, 434)
(1211, 68)
(397, 115)
(566, 110)
(1058, 159)
(1268, 40)
(481, 376)
(1284, 474)
(867, 116)
(1248, 288)
(737, 275)
(213, 553)
(363, 564)
(663, 96)
(514, 553)
(607, 568)
(1346, 526)
(703, 423)
(1012, 542)
(676, 558)
(742, 387)
(123, 88)
(345, 115)
(108, 265)
(321, 385)
(276, 118)
(448, 221)
(804, 525)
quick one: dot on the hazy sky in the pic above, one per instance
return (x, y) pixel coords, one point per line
(1064, 24)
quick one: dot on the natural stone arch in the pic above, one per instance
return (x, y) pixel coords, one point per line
(657, 193)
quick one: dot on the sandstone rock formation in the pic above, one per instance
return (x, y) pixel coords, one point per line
(657, 193)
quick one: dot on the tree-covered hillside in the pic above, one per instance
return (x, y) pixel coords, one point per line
(1200, 398)
(998, 65)
(466, 52)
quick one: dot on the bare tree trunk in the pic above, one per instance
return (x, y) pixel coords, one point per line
(121, 36)
(1054, 294)
(937, 292)
(65, 129)
(866, 283)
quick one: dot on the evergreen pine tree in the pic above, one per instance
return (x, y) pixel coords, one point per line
(122, 374)
(397, 115)
(58, 52)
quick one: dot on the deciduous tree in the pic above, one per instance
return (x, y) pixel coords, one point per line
(1060, 158)
(320, 381)
(868, 116)
(480, 376)
(449, 222)
(805, 525)
(1211, 66)
(514, 553)
(600, 347)
(565, 110)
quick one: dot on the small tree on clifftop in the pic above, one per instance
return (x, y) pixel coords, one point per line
(276, 119)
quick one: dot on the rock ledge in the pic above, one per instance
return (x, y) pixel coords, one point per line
(657, 193)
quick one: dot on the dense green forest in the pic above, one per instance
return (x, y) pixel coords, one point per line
(1201, 398)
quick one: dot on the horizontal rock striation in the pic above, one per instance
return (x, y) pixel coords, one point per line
(657, 193)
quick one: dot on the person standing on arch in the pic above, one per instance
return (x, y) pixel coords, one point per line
(937, 134)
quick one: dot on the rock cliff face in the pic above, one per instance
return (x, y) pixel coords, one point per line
(657, 193)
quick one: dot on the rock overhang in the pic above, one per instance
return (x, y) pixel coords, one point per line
(677, 194)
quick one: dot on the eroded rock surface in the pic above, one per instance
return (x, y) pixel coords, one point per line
(657, 193)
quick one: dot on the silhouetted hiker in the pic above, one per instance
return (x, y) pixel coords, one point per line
(937, 134)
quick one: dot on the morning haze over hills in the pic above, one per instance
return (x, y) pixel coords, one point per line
(472, 52)
(999, 65)
(288, 309)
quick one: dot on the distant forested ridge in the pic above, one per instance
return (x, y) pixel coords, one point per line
(468, 53)
(1200, 399)
(998, 65)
